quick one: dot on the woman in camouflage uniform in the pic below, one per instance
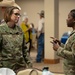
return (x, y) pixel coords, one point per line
(68, 51)
(13, 52)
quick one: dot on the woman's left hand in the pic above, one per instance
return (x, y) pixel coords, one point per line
(55, 46)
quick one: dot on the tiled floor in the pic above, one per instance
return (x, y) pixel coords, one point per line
(58, 68)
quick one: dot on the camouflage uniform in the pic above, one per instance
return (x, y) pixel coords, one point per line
(12, 48)
(68, 53)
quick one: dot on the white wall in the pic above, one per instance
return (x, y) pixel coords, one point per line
(64, 7)
(32, 7)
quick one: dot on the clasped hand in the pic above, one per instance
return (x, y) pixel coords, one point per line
(56, 43)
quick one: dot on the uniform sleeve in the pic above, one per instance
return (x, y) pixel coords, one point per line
(0, 41)
(1, 31)
(62, 45)
(67, 54)
(26, 56)
(0, 48)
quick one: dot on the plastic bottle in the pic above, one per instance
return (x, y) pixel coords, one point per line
(46, 71)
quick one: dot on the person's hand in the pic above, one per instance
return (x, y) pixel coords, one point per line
(56, 40)
(55, 45)
(53, 38)
(29, 28)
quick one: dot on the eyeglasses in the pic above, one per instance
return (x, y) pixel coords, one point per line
(17, 14)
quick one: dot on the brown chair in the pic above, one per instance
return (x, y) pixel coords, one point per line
(30, 71)
(34, 71)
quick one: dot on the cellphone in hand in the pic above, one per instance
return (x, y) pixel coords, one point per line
(52, 42)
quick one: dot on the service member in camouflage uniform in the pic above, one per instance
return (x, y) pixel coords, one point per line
(13, 52)
(68, 51)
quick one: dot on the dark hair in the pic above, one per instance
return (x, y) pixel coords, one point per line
(8, 13)
(73, 13)
(42, 15)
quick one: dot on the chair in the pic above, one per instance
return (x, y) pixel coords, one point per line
(30, 71)
(34, 71)
(65, 37)
(6, 71)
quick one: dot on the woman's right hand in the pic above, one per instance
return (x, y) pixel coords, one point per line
(56, 40)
